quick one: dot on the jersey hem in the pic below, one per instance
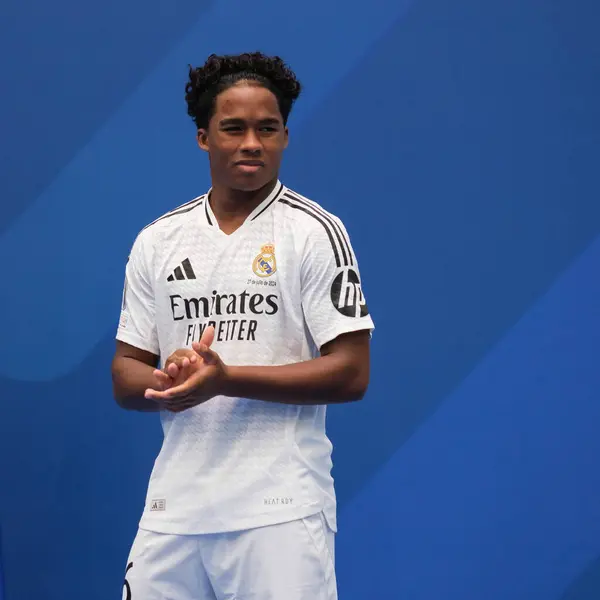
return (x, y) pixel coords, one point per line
(134, 340)
(242, 524)
(338, 330)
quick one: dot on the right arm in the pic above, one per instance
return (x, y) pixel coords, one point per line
(132, 374)
(137, 352)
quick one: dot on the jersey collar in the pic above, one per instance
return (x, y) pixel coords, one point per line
(259, 211)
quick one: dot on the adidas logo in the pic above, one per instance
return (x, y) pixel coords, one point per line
(184, 271)
(158, 505)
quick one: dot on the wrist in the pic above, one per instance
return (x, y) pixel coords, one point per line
(229, 383)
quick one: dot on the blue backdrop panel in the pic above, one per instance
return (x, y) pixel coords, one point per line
(141, 163)
(66, 67)
(1, 570)
(458, 142)
(496, 495)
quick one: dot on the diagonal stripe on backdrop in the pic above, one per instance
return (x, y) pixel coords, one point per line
(66, 67)
(144, 162)
(496, 495)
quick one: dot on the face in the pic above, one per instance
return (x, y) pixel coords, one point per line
(245, 138)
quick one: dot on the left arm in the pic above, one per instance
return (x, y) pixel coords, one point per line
(340, 374)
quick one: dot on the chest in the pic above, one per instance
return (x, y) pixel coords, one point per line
(204, 276)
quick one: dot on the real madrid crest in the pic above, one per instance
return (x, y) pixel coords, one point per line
(264, 264)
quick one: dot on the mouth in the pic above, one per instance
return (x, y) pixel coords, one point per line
(249, 166)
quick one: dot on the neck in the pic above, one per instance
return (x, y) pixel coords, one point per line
(233, 206)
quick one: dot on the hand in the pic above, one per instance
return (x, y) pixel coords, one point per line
(178, 367)
(187, 382)
(176, 370)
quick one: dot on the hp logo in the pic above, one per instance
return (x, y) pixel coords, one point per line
(347, 296)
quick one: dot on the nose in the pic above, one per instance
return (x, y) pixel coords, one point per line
(250, 143)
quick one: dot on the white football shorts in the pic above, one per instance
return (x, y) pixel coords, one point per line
(287, 561)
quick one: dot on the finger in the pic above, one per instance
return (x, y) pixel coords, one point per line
(210, 357)
(183, 359)
(174, 392)
(208, 336)
(148, 394)
(152, 394)
(160, 374)
(161, 377)
(173, 370)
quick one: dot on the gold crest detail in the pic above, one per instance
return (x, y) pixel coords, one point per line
(264, 264)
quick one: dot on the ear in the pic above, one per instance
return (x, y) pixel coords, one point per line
(286, 135)
(202, 138)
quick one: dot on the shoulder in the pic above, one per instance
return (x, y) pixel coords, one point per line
(170, 220)
(151, 234)
(312, 215)
(321, 229)
(173, 218)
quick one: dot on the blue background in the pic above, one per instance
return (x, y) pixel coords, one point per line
(459, 142)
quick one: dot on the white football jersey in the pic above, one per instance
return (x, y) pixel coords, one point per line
(277, 289)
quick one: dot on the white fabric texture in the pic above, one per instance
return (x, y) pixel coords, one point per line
(288, 561)
(277, 289)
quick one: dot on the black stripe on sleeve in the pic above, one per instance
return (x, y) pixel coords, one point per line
(343, 241)
(182, 209)
(310, 211)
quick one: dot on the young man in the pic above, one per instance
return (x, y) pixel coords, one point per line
(242, 318)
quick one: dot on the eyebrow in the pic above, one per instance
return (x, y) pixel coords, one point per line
(234, 121)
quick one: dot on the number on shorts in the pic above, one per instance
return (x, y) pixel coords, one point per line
(126, 588)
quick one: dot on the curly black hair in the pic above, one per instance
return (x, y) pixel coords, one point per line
(221, 72)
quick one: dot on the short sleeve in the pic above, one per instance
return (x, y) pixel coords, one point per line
(333, 300)
(137, 323)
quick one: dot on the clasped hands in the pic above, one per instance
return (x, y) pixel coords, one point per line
(189, 377)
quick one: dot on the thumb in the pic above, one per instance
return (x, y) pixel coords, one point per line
(208, 336)
(209, 356)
